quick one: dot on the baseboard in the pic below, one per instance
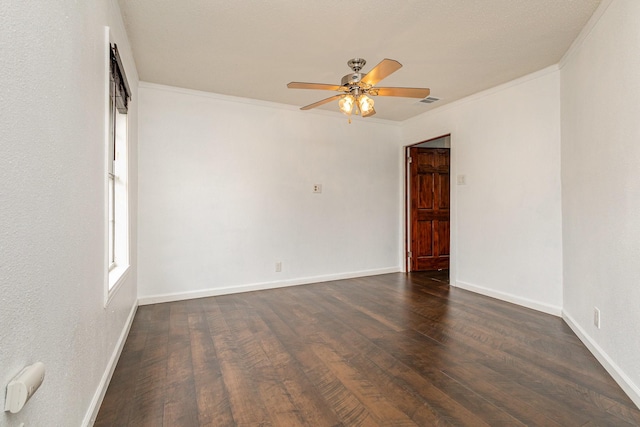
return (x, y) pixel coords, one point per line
(94, 407)
(504, 296)
(179, 296)
(625, 383)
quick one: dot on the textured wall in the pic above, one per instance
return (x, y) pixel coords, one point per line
(52, 243)
(226, 192)
(506, 221)
(601, 188)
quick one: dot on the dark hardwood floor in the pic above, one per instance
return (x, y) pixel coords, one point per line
(390, 350)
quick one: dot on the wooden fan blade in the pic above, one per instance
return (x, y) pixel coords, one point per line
(370, 113)
(407, 92)
(319, 103)
(320, 86)
(385, 68)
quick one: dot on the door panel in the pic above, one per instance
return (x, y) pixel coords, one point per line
(425, 195)
(443, 243)
(424, 237)
(429, 210)
(443, 192)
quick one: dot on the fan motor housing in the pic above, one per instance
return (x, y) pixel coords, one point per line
(353, 78)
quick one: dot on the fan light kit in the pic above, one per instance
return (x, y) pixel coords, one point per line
(356, 88)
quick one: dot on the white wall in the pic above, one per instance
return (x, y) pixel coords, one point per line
(52, 205)
(226, 192)
(601, 189)
(506, 230)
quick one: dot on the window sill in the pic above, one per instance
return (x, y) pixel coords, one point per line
(117, 276)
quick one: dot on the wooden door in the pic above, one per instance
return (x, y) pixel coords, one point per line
(429, 208)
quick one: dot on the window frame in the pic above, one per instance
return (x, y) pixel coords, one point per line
(117, 232)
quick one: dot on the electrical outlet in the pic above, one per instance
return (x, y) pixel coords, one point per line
(278, 267)
(317, 188)
(596, 317)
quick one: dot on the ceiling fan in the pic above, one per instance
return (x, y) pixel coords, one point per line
(356, 87)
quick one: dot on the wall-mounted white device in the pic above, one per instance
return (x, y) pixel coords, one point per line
(22, 387)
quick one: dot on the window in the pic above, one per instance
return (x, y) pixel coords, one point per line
(117, 168)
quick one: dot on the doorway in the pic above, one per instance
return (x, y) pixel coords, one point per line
(428, 205)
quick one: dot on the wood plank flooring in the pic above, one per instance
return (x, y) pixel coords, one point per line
(390, 350)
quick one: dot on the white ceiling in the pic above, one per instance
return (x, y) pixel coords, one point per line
(253, 48)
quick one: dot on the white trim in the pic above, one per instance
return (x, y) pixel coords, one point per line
(260, 103)
(584, 33)
(625, 383)
(179, 296)
(96, 401)
(505, 296)
(119, 276)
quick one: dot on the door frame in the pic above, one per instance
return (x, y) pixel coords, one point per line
(452, 207)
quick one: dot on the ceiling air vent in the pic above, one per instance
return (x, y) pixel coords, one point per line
(429, 100)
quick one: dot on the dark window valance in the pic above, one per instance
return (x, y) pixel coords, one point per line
(122, 91)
